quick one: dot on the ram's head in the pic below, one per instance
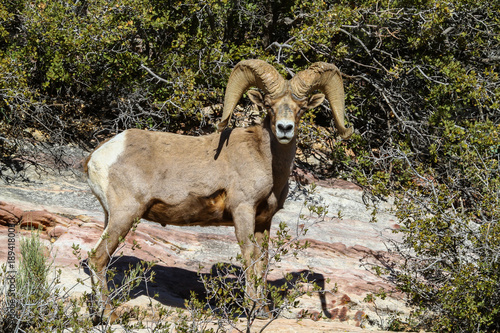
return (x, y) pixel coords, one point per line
(286, 100)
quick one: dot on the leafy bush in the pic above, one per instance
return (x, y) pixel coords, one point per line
(74, 72)
(34, 265)
(450, 227)
(408, 66)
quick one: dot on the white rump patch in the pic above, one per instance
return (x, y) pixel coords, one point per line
(100, 163)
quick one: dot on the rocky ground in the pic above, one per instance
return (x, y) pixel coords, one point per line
(340, 256)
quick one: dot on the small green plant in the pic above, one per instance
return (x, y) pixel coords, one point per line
(40, 304)
(34, 267)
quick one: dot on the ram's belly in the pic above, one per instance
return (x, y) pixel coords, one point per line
(194, 210)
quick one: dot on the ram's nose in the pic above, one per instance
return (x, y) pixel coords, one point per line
(285, 130)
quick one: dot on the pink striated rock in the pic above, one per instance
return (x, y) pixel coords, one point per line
(339, 184)
(57, 231)
(338, 250)
(303, 176)
(42, 220)
(9, 214)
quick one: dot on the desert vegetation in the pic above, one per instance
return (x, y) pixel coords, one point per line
(422, 91)
(40, 302)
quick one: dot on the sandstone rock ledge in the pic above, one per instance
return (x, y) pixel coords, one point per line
(339, 255)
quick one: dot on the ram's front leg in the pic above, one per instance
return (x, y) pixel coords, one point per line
(254, 258)
(260, 260)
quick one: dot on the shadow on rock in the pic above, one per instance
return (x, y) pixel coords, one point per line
(305, 276)
(172, 286)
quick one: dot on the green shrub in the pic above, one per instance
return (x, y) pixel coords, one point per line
(451, 233)
(33, 273)
(39, 303)
(73, 72)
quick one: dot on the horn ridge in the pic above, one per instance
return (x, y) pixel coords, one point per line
(327, 78)
(247, 74)
(313, 78)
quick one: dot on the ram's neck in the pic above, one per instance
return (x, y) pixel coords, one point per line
(283, 156)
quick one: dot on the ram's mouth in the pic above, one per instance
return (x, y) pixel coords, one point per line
(284, 139)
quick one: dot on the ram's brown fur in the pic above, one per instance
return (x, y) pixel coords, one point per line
(237, 177)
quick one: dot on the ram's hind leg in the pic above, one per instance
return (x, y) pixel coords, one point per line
(118, 224)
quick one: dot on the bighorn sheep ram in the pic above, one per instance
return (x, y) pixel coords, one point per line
(237, 177)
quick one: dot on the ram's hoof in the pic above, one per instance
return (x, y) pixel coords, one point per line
(263, 313)
(104, 319)
(99, 315)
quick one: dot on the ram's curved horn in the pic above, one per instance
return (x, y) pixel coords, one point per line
(327, 78)
(246, 74)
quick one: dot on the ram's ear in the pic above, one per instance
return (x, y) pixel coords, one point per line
(315, 100)
(256, 97)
